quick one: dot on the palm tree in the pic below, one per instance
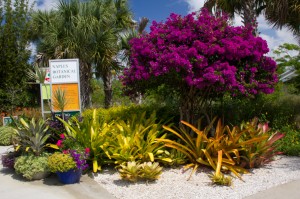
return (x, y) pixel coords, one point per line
(85, 30)
(284, 14)
(106, 58)
(277, 12)
(125, 37)
(129, 34)
(248, 9)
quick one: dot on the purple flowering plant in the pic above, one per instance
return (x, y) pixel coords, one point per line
(69, 146)
(8, 160)
(79, 158)
(201, 51)
(200, 55)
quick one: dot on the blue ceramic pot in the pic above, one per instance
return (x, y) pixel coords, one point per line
(69, 177)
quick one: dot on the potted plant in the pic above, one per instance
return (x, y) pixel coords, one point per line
(32, 137)
(8, 159)
(68, 165)
(32, 167)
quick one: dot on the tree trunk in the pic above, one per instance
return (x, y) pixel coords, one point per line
(85, 84)
(193, 106)
(249, 15)
(107, 84)
(188, 106)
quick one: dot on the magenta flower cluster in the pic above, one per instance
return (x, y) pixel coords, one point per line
(201, 51)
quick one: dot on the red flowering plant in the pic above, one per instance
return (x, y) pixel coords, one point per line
(201, 57)
(68, 145)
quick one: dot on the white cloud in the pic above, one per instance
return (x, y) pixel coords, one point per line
(194, 5)
(43, 4)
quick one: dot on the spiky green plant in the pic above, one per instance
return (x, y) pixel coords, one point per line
(130, 171)
(134, 171)
(135, 140)
(93, 133)
(261, 152)
(60, 101)
(220, 179)
(202, 149)
(150, 171)
(32, 136)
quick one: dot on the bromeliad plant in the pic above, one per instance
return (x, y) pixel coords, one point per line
(262, 152)
(133, 171)
(32, 136)
(217, 177)
(203, 150)
(92, 133)
(135, 140)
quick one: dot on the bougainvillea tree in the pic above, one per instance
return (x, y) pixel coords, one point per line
(200, 56)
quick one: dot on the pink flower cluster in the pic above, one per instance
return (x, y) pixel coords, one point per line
(200, 51)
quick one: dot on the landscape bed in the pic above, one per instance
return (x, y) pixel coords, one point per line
(173, 182)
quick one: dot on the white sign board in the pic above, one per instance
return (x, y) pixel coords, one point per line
(64, 71)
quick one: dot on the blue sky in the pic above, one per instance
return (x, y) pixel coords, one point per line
(159, 10)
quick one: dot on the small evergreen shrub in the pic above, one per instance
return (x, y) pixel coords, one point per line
(290, 144)
(60, 162)
(29, 165)
(6, 135)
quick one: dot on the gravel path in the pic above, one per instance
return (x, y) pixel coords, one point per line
(173, 182)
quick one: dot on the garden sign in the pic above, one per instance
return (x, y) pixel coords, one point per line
(64, 75)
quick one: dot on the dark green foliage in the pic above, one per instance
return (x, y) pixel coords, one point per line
(14, 55)
(290, 144)
(279, 109)
(118, 98)
(164, 113)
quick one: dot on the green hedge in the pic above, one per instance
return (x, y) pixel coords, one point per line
(164, 113)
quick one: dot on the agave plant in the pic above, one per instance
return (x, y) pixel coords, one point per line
(135, 140)
(32, 136)
(92, 133)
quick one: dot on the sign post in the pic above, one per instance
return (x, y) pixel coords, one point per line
(64, 75)
(45, 93)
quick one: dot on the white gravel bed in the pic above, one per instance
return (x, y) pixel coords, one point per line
(173, 182)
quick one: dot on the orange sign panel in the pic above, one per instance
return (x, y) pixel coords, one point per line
(71, 96)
